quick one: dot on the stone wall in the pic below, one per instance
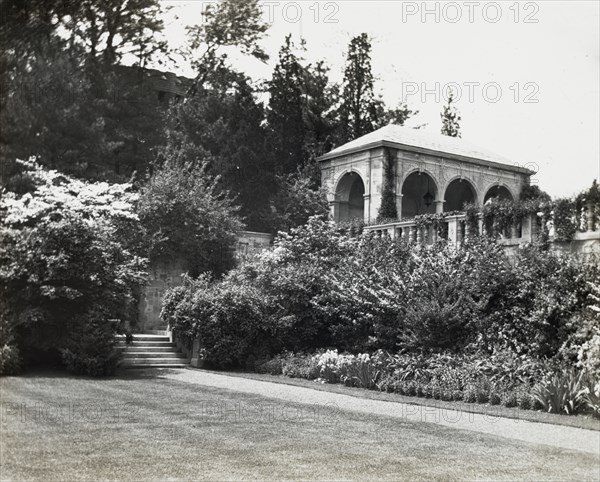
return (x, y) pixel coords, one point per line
(166, 273)
(162, 275)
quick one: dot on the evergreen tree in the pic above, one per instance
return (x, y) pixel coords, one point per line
(388, 210)
(224, 127)
(321, 117)
(285, 114)
(358, 110)
(450, 118)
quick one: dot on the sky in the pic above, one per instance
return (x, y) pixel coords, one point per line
(527, 73)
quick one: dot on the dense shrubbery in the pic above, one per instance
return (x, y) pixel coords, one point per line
(68, 270)
(323, 288)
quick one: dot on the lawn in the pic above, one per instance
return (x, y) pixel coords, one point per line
(138, 427)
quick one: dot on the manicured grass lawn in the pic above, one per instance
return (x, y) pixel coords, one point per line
(143, 428)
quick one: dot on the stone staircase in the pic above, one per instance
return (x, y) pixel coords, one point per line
(151, 349)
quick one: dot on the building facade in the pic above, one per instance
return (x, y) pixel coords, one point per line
(432, 173)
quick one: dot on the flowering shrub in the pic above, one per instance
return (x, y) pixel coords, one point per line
(69, 263)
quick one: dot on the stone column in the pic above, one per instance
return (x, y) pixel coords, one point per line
(334, 210)
(529, 228)
(453, 229)
(514, 233)
(367, 207)
(399, 205)
(439, 206)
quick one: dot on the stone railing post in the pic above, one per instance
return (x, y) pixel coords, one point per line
(412, 234)
(453, 230)
(529, 228)
(196, 361)
(590, 217)
(419, 235)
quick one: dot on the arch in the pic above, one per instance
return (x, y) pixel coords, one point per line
(458, 192)
(414, 188)
(498, 191)
(350, 197)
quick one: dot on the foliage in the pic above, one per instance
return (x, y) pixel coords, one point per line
(329, 288)
(359, 107)
(230, 23)
(71, 261)
(565, 220)
(533, 193)
(112, 28)
(450, 118)
(10, 359)
(186, 215)
(223, 126)
(65, 99)
(296, 202)
(387, 209)
(591, 393)
(228, 320)
(285, 115)
(562, 392)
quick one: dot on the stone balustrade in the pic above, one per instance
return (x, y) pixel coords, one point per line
(455, 229)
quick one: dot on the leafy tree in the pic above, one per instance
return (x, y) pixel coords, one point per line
(109, 29)
(450, 118)
(223, 126)
(532, 192)
(358, 104)
(295, 202)
(388, 209)
(397, 116)
(230, 23)
(186, 214)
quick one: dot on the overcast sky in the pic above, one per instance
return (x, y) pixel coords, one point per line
(527, 72)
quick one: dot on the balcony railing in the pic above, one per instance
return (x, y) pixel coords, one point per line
(455, 229)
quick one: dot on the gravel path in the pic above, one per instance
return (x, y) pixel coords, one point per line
(518, 429)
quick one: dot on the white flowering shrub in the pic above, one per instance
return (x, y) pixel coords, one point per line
(70, 268)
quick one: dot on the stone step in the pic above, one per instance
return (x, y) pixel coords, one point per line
(147, 347)
(145, 343)
(143, 337)
(154, 332)
(150, 354)
(155, 365)
(154, 361)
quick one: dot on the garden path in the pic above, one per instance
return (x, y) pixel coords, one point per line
(518, 429)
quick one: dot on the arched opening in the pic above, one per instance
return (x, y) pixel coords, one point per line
(350, 197)
(418, 195)
(458, 193)
(498, 192)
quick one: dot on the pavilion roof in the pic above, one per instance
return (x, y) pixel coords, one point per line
(406, 138)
